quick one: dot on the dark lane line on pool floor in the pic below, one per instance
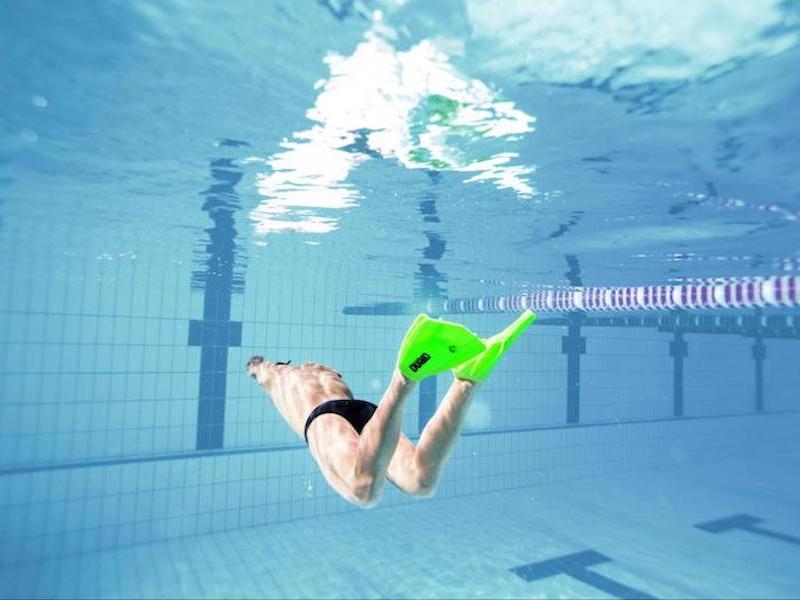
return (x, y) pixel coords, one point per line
(576, 565)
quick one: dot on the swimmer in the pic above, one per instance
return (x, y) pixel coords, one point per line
(359, 445)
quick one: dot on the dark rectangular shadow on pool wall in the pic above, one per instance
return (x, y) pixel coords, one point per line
(218, 278)
(429, 284)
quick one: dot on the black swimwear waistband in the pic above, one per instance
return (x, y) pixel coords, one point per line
(357, 412)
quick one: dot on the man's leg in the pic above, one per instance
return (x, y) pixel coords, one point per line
(439, 436)
(423, 467)
(430, 346)
(416, 470)
(378, 439)
(382, 449)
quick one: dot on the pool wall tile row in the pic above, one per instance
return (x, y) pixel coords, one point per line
(50, 513)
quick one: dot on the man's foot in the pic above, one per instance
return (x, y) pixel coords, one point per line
(478, 368)
(432, 346)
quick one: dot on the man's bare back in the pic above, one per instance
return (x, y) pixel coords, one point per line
(357, 454)
(297, 390)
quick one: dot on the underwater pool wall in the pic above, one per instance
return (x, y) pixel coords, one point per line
(107, 456)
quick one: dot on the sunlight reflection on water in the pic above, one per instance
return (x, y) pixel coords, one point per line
(410, 106)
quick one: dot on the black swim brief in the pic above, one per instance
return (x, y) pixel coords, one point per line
(357, 412)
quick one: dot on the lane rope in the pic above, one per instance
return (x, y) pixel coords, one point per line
(755, 292)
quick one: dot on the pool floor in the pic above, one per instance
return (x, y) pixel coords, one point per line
(628, 535)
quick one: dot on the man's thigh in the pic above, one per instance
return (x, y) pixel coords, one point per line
(333, 444)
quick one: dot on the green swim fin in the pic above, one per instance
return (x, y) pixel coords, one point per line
(478, 368)
(432, 346)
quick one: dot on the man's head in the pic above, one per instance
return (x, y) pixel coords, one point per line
(263, 371)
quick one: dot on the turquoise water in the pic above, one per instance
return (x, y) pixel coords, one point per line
(183, 185)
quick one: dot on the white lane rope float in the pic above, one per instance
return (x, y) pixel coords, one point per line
(755, 292)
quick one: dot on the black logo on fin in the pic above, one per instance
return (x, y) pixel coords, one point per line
(421, 360)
